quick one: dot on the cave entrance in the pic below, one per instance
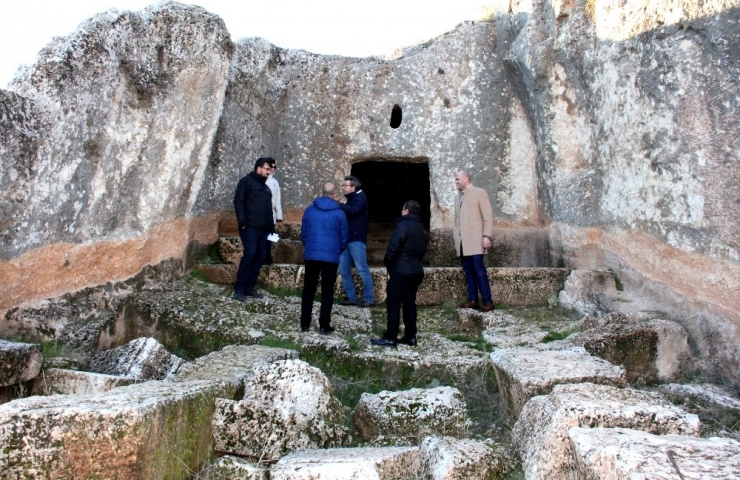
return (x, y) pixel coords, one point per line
(387, 186)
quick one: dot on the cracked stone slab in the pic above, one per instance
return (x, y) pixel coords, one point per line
(524, 372)
(447, 458)
(140, 359)
(705, 392)
(376, 463)
(541, 431)
(621, 453)
(229, 467)
(19, 362)
(57, 381)
(411, 414)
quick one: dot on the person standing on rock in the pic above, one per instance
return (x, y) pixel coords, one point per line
(357, 213)
(253, 206)
(472, 236)
(324, 234)
(277, 209)
(403, 260)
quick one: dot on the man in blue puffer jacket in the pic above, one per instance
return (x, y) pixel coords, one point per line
(324, 234)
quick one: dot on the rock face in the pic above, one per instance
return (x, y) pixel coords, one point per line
(411, 414)
(140, 359)
(606, 453)
(445, 458)
(287, 405)
(541, 432)
(604, 133)
(19, 362)
(55, 381)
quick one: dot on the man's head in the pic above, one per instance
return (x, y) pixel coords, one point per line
(351, 184)
(262, 166)
(271, 162)
(462, 180)
(329, 190)
(411, 206)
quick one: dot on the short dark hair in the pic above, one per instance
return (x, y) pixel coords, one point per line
(271, 161)
(354, 181)
(412, 206)
(262, 161)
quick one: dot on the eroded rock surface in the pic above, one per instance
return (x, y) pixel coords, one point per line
(140, 359)
(19, 362)
(56, 381)
(706, 392)
(287, 405)
(541, 431)
(229, 467)
(447, 458)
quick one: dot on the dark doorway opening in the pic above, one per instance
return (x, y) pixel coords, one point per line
(387, 186)
(396, 116)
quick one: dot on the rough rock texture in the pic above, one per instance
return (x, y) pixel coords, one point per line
(706, 392)
(234, 468)
(19, 362)
(287, 405)
(525, 372)
(650, 349)
(541, 431)
(140, 359)
(589, 292)
(109, 136)
(411, 414)
(611, 453)
(447, 458)
(379, 463)
(55, 381)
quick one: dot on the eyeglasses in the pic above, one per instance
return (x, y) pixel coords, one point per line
(347, 185)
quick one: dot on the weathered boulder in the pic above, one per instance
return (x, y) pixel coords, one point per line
(706, 392)
(541, 431)
(590, 292)
(19, 362)
(447, 458)
(140, 359)
(650, 349)
(611, 453)
(234, 468)
(56, 381)
(522, 373)
(287, 405)
(411, 414)
(378, 463)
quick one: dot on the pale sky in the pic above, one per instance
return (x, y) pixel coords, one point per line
(356, 28)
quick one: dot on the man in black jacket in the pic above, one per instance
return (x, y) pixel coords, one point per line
(357, 212)
(403, 260)
(253, 205)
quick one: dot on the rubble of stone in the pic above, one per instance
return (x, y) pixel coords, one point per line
(708, 393)
(376, 463)
(524, 372)
(19, 362)
(140, 359)
(541, 431)
(57, 381)
(504, 329)
(287, 405)
(411, 414)
(448, 458)
(650, 349)
(606, 453)
(229, 467)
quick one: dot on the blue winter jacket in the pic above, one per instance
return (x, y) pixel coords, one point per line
(324, 231)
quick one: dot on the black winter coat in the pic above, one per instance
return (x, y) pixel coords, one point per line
(357, 215)
(407, 246)
(253, 202)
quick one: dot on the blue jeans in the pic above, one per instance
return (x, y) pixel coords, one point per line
(356, 252)
(477, 278)
(254, 241)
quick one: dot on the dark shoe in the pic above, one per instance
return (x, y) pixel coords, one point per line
(239, 296)
(470, 304)
(347, 302)
(326, 330)
(411, 342)
(365, 304)
(383, 342)
(255, 294)
(486, 307)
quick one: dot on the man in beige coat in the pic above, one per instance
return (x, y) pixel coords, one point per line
(472, 235)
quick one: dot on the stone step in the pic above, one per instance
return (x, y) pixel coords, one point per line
(610, 453)
(57, 381)
(447, 458)
(541, 431)
(377, 463)
(524, 372)
(510, 286)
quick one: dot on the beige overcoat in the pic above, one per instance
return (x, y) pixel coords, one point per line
(473, 220)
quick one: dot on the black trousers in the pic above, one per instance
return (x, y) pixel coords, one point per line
(328, 273)
(401, 291)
